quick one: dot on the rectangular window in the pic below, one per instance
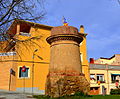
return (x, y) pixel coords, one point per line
(100, 77)
(23, 74)
(92, 76)
(25, 29)
(115, 77)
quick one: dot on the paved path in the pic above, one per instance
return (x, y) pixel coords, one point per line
(13, 95)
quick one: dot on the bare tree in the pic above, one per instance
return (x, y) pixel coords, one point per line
(118, 1)
(10, 10)
(31, 10)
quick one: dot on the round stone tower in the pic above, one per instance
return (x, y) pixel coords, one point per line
(65, 71)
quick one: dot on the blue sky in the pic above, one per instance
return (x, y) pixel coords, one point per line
(101, 19)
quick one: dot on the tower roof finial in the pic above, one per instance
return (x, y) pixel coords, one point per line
(64, 21)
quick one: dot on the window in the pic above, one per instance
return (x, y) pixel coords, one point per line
(115, 77)
(23, 74)
(25, 30)
(100, 77)
(81, 57)
(92, 76)
(101, 62)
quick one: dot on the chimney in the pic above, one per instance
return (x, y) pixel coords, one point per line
(81, 29)
(91, 60)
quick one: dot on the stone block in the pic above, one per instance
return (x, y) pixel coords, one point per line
(66, 85)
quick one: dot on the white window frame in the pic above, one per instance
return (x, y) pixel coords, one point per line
(92, 75)
(25, 34)
(19, 72)
(100, 76)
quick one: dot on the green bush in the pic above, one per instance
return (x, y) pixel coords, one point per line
(41, 97)
(77, 95)
(115, 92)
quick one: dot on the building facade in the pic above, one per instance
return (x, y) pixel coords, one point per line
(27, 47)
(115, 60)
(104, 75)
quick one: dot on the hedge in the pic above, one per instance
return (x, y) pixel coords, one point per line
(115, 92)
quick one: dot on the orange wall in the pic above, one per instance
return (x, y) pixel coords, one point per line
(24, 55)
(7, 80)
(41, 70)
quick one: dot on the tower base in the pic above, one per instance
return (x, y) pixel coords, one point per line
(57, 86)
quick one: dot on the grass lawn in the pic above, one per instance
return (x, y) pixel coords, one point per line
(82, 97)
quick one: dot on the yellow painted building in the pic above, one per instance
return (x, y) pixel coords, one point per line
(115, 60)
(30, 49)
(104, 77)
(108, 71)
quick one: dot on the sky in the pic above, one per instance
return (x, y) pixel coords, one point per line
(101, 20)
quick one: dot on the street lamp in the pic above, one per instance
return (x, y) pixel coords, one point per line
(35, 50)
(33, 69)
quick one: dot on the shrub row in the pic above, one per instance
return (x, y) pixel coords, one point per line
(115, 92)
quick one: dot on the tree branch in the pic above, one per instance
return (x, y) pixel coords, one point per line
(119, 1)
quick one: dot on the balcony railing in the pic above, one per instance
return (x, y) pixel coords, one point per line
(8, 54)
(95, 81)
(101, 81)
(113, 81)
(104, 66)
